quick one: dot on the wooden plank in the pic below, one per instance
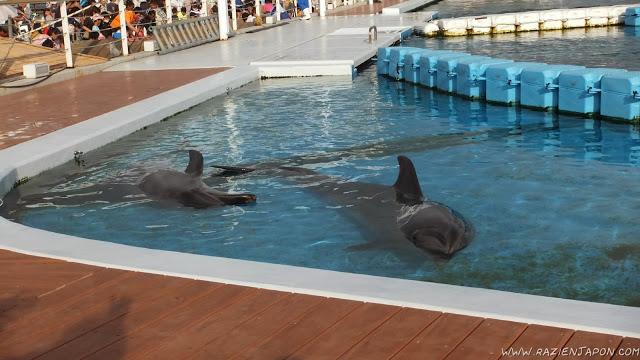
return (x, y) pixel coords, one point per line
(61, 294)
(440, 338)
(139, 315)
(285, 342)
(81, 315)
(393, 335)
(168, 330)
(52, 308)
(488, 340)
(538, 342)
(261, 327)
(576, 347)
(629, 349)
(195, 337)
(347, 332)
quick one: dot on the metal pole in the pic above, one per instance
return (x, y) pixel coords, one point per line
(167, 9)
(123, 29)
(223, 19)
(258, 8)
(65, 34)
(234, 16)
(10, 29)
(278, 11)
(323, 7)
(370, 2)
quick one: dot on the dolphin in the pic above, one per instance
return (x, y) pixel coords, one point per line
(168, 186)
(389, 216)
(187, 187)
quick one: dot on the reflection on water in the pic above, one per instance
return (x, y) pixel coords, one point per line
(455, 8)
(554, 198)
(617, 47)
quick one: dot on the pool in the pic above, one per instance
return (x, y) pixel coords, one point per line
(554, 199)
(456, 8)
(613, 46)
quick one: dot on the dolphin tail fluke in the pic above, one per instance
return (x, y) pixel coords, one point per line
(232, 170)
(196, 162)
(407, 186)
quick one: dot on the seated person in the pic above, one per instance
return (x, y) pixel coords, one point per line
(267, 7)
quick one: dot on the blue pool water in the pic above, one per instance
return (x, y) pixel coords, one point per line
(555, 199)
(613, 46)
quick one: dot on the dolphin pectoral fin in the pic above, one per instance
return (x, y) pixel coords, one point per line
(407, 186)
(237, 199)
(199, 199)
(232, 170)
(196, 162)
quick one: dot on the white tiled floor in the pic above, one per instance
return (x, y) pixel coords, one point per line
(298, 40)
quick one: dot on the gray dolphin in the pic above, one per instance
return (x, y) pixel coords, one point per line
(187, 187)
(387, 215)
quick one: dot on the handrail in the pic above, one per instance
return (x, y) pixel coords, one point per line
(186, 33)
(375, 33)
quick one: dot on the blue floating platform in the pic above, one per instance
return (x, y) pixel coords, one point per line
(579, 90)
(382, 64)
(632, 16)
(447, 71)
(539, 86)
(503, 81)
(471, 79)
(428, 66)
(396, 61)
(621, 95)
(412, 66)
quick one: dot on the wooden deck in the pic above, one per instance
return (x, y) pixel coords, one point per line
(51, 309)
(27, 115)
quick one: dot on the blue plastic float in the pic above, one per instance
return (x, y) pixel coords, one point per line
(428, 66)
(632, 16)
(621, 95)
(503, 81)
(382, 65)
(412, 66)
(472, 75)
(396, 61)
(579, 90)
(539, 87)
(446, 72)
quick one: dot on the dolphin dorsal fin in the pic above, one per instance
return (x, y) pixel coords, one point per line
(196, 162)
(407, 186)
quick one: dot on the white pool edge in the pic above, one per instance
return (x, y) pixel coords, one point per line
(28, 159)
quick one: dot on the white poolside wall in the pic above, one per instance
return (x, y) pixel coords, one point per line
(35, 156)
(554, 19)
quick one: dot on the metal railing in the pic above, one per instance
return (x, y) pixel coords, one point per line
(186, 33)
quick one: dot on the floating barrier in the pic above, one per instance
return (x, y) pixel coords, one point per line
(429, 64)
(621, 95)
(632, 16)
(503, 81)
(412, 66)
(554, 19)
(611, 93)
(396, 61)
(539, 87)
(472, 75)
(446, 72)
(503, 23)
(597, 16)
(579, 90)
(382, 65)
(528, 21)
